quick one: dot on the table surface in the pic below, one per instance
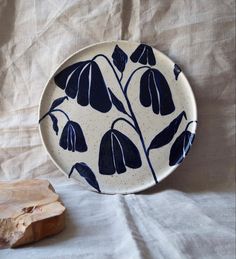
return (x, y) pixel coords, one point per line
(191, 214)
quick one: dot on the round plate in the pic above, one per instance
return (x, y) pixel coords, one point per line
(118, 117)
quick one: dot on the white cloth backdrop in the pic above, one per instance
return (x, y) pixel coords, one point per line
(191, 214)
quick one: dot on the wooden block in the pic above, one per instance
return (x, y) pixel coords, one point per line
(30, 210)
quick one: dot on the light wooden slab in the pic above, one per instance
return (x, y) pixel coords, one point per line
(30, 210)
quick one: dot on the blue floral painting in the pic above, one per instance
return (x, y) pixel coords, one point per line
(84, 81)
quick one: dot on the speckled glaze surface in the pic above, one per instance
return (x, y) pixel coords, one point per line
(118, 117)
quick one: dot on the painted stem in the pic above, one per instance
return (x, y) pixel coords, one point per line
(109, 62)
(121, 76)
(122, 119)
(132, 115)
(186, 128)
(141, 137)
(129, 79)
(44, 116)
(55, 110)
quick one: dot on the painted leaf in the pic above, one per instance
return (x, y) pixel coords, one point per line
(85, 171)
(72, 138)
(155, 92)
(117, 103)
(85, 81)
(54, 123)
(177, 71)
(57, 102)
(167, 134)
(119, 58)
(116, 153)
(180, 148)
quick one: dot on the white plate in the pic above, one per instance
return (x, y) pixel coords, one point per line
(118, 117)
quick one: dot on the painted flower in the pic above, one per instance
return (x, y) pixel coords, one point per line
(72, 138)
(85, 81)
(116, 152)
(155, 91)
(144, 55)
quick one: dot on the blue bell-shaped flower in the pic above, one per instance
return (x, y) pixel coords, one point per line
(72, 138)
(155, 91)
(144, 55)
(116, 152)
(84, 80)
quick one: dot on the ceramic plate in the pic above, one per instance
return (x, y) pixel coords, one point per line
(118, 117)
